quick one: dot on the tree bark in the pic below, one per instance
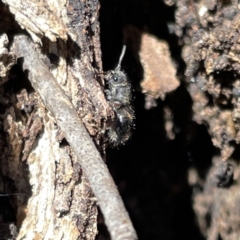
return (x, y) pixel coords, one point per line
(59, 183)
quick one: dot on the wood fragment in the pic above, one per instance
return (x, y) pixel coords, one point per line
(7, 59)
(39, 18)
(159, 71)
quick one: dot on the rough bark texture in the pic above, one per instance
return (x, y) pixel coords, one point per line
(55, 198)
(210, 33)
(183, 158)
(73, 129)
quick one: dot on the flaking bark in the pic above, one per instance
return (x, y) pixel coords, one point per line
(61, 204)
(116, 217)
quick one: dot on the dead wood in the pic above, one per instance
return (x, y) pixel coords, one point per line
(116, 217)
(65, 69)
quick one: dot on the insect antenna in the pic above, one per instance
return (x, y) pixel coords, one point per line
(121, 57)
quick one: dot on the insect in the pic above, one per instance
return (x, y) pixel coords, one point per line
(119, 94)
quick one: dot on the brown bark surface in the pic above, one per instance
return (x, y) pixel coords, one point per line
(179, 173)
(57, 172)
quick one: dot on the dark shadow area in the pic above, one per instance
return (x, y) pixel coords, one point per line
(151, 170)
(11, 194)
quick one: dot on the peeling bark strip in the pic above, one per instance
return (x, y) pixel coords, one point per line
(116, 216)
